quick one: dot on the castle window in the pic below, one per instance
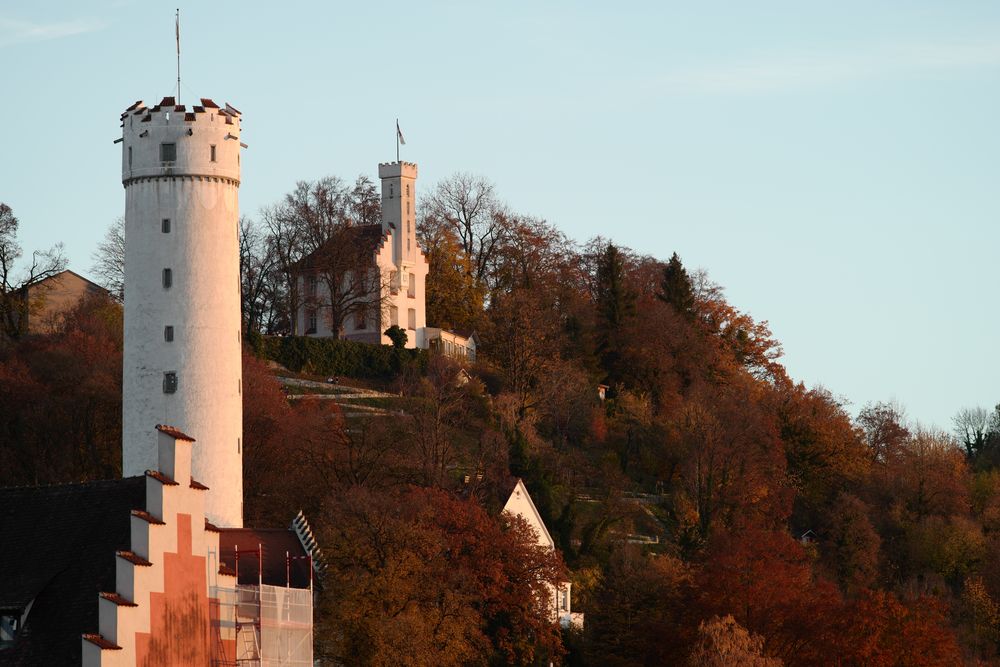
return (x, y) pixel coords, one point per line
(311, 287)
(390, 191)
(165, 226)
(361, 318)
(212, 158)
(311, 321)
(168, 152)
(411, 288)
(407, 191)
(168, 278)
(411, 318)
(129, 157)
(393, 316)
(168, 333)
(170, 382)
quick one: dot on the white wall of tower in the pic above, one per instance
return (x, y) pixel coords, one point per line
(403, 255)
(199, 196)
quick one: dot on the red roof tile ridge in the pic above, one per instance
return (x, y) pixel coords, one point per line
(133, 558)
(211, 527)
(195, 484)
(160, 477)
(174, 431)
(146, 516)
(118, 599)
(101, 642)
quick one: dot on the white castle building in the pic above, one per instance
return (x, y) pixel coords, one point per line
(181, 172)
(402, 266)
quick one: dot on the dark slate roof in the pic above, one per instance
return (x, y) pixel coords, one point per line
(58, 549)
(366, 238)
(274, 544)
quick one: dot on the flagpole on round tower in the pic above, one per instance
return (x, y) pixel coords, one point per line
(397, 140)
(177, 34)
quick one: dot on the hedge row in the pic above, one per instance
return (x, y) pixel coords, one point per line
(329, 356)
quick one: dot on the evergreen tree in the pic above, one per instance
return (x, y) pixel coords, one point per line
(675, 287)
(615, 304)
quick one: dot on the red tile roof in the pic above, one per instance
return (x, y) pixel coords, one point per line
(195, 484)
(133, 558)
(160, 477)
(174, 431)
(101, 642)
(146, 516)
(118, 600)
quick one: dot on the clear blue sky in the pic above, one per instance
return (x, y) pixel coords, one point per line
(833, 165)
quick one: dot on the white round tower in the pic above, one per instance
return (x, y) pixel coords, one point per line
(182, 365)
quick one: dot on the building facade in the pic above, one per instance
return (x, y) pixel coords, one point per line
(396, 266)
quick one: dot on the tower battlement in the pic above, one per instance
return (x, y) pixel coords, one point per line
(171, 140)
(396, 169)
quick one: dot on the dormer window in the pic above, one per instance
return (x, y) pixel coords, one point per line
(168, 152)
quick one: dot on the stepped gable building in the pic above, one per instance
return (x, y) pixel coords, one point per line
(397, 295)
(157, 568)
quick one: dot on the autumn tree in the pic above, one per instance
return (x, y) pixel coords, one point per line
(468, 206)
(109, 260)
(421, 577)
(454, 299)
(851, 544)
(978, 429)
(319, 228)
(884, 430)
(881, 631)
(639, 611)
(722, 642)
(14, 303)
(260, 297)
(764, 579)
(61, 396)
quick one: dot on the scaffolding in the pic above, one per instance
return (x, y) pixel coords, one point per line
(272, 624)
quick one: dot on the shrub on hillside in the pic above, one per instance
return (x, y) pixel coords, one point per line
(330, 356)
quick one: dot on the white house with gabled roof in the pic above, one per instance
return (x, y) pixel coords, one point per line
(520, 504)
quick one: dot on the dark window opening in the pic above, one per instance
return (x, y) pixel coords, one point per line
(168, 152)
(129, 157)
(213, 153)
(168, 333)
(165, 226)
(170, 382)
(168, 278)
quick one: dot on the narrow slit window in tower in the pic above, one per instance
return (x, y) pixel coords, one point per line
(165, 226)
(213, 152)
(168, 152)
(129, 157)
(168, 333)
(411, 288)
(170, 382)
(168, 278)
